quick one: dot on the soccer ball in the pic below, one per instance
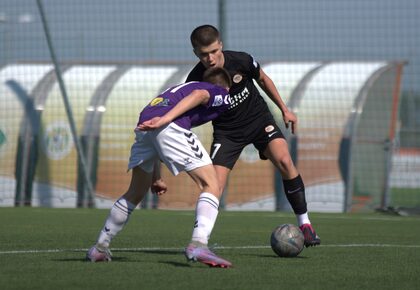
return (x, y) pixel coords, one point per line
(287, 240)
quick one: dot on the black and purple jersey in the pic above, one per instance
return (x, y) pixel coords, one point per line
(218, 103)
(247, 105)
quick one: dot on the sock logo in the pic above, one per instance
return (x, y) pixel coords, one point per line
(195, 224)
(107, 229)
(293, 191)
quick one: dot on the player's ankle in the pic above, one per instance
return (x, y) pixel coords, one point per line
(198, 243)
(102, 246)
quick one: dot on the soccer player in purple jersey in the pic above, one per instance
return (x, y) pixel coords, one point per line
(249, 121)
(163, 134)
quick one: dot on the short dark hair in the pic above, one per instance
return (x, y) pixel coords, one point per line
(204, 35)
(217, 76)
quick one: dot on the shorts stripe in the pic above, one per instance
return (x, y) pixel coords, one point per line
(194, 147)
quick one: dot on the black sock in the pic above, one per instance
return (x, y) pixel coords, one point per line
(295, 193)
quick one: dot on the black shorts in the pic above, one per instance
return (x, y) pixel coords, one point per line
(228, 144)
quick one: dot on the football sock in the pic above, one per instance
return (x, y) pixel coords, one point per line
(295, 193)
(117, 218)
(206, 213)
(303, 219)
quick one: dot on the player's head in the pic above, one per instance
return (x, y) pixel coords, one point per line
(205, 40)
(218, 76)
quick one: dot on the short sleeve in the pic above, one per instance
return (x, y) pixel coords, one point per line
(254, 67)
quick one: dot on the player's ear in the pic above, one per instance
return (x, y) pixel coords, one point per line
(221, 45)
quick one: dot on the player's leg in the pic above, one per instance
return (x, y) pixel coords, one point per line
(123, 207)
(142, 161)
(206, 213)
(225, 151)
(181, 150)
(207, 207)
(119, 214)
(277, 151)
(269, 140)
(222, 174)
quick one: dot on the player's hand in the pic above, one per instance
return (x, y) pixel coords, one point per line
(159, 187)
(152, 124)
(290, 118)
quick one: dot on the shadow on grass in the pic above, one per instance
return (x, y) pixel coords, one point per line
(276, 257)
(159, 252)
(176, 264)
(122, 260)
(118, 256)
(83, 259)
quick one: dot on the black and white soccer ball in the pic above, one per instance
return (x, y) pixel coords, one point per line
(287, 240)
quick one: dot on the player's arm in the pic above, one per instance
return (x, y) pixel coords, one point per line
(194, 99)
(266, 83)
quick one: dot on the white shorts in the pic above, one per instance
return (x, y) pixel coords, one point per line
(177, 147)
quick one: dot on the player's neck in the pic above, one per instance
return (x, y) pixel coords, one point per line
(223, 59)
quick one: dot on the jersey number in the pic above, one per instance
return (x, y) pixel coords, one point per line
(216, 148)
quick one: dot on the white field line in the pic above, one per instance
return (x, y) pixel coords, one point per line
(216, 247)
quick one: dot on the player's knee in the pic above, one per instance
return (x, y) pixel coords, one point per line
(286, 166)
(213, 188)
(285, 163)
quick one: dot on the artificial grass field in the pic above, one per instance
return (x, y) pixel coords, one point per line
(44, 248)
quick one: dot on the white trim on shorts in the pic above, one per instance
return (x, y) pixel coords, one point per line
(175, 146)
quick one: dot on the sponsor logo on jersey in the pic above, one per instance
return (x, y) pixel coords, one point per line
(237, 78)
(269, 128)
(159, 101)
(237, 99)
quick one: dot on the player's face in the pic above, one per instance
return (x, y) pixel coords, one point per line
(211, 55)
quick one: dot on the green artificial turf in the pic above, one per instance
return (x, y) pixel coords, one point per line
(42, 248)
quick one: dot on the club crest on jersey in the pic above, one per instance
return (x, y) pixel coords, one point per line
(269, 128)
(218, 101)
(237, 78)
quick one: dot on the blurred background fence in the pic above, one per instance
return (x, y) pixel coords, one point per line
(350, 70)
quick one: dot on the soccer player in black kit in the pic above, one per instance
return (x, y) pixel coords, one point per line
(249, 121)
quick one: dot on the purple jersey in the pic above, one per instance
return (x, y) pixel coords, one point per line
(218, 103)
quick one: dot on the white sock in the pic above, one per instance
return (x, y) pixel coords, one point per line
(117, 218)
(206, 213)
(303, 219)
